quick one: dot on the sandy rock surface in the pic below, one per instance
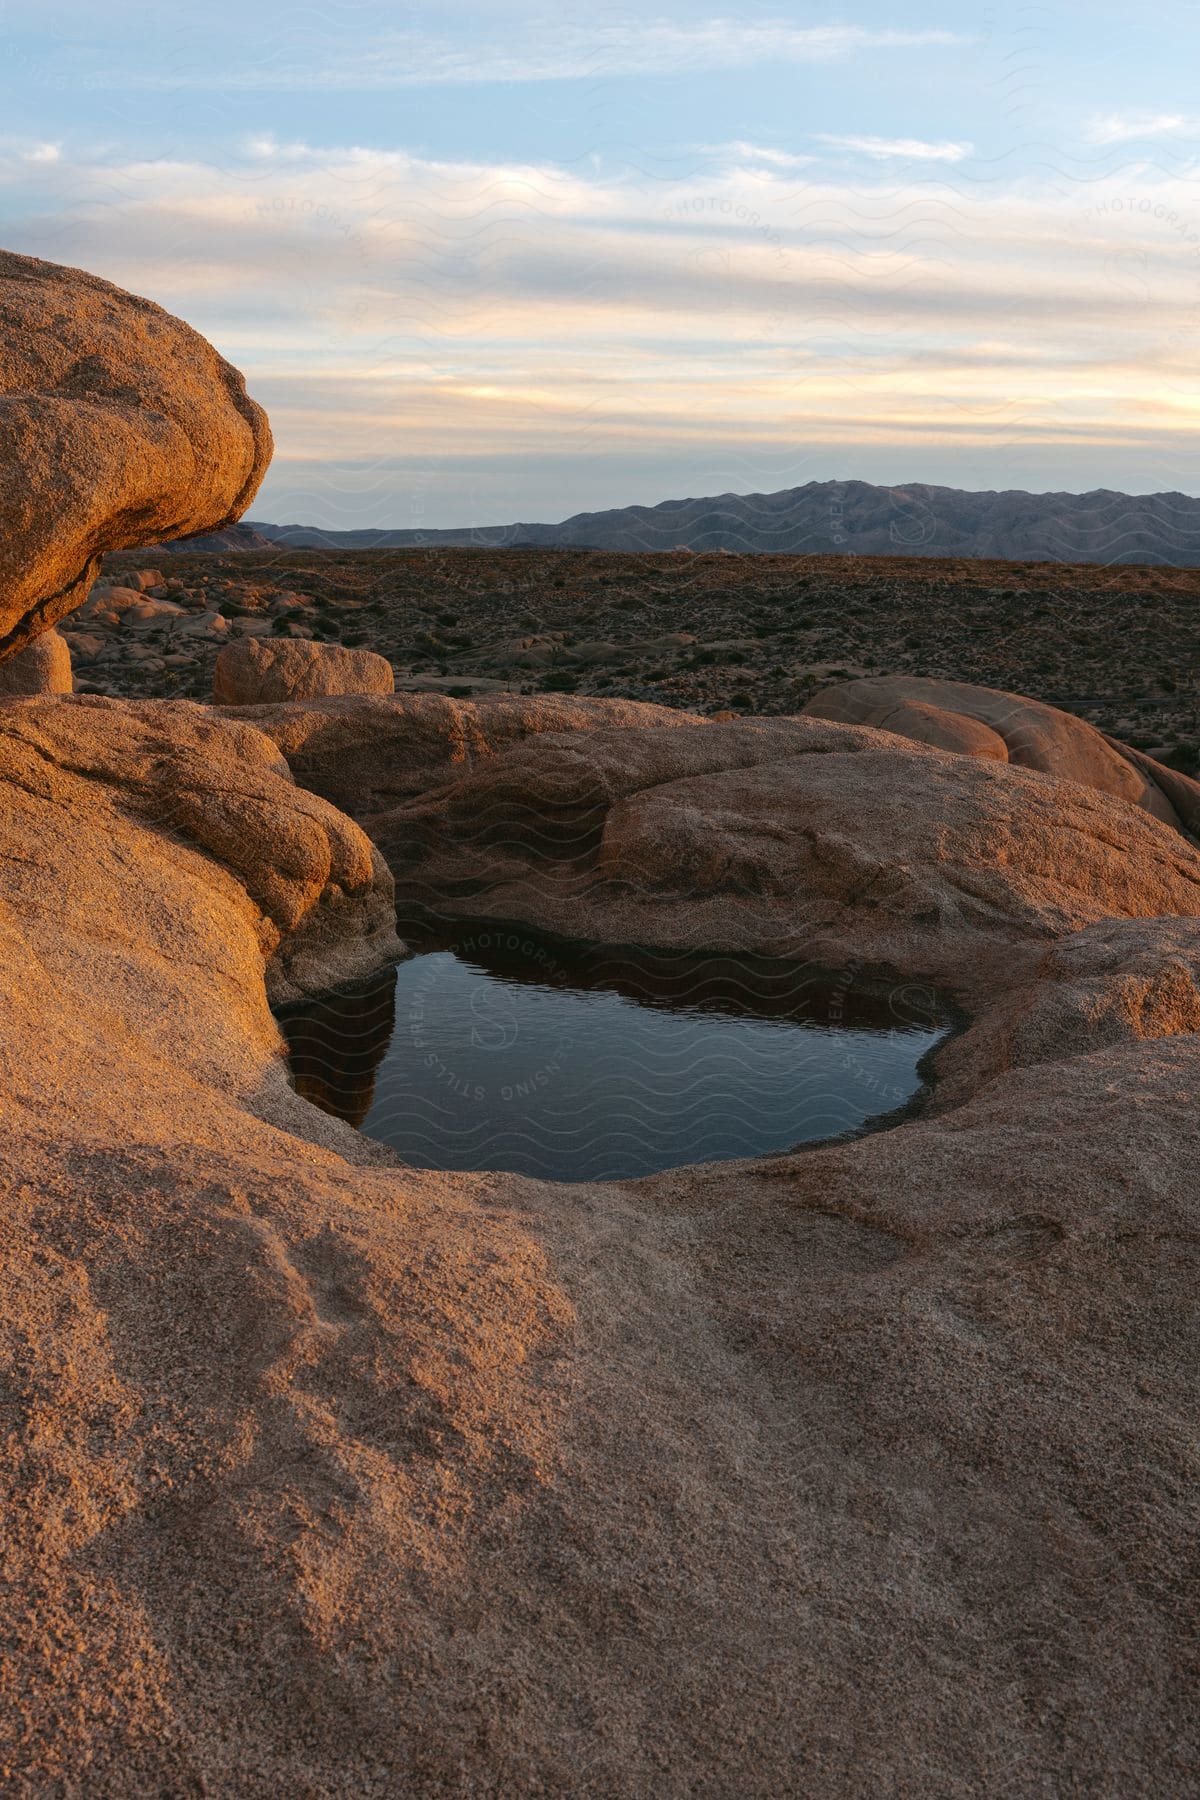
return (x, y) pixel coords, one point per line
(256, 670)
(987, 722)
(869, 1469)
(43, 667)
(117, 423)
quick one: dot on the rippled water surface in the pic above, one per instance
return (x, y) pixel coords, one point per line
(502, 1051)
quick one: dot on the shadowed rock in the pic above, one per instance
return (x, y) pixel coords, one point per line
(336, 1044)
(786, 836)
(119, 425)
(365, 755)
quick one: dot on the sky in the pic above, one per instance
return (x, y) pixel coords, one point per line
(487, 263)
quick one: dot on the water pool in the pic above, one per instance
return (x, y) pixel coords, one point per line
(501, 1050)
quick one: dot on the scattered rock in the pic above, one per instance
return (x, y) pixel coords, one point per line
(151, 613)
(204, 625)
(1105, 644)
(84, 645)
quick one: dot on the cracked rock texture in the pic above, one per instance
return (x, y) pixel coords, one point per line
(119, 425)
(865, 1470)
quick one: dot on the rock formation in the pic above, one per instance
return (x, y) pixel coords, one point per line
(254, 670)
(118, 425)
(367, 756)
(793, 837)
(837, 1472)
(1009, 728)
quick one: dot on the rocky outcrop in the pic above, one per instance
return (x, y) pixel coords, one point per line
(983, 721)
(856, 1471)
(257, 670)
(367, 756)
(43, 667)
(1181, 791)
(118, 425)
(792, 837)
(1107, 986)
(313, 888)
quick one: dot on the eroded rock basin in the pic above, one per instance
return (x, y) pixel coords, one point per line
(864, 1470)
(493, 1047)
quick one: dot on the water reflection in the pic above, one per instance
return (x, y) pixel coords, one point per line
(336, 1044)
(499, 1049)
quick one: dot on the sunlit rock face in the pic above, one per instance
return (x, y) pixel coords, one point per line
(980, 721)
(255, 670)
(119, 425)
(866, 1469)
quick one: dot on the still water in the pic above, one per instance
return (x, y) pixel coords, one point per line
(500, 1050)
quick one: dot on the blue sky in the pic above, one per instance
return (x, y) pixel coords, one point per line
(487, 263)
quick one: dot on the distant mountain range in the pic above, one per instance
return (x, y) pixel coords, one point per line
(834, 517)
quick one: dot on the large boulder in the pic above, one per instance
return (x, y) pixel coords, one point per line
(254, 670)
(119, 425)
(980, 721)
(43, 667)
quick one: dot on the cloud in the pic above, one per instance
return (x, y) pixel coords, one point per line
(881, 148)
(1120, 128)
(741, 153)
(384, 304)
(562, 52)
